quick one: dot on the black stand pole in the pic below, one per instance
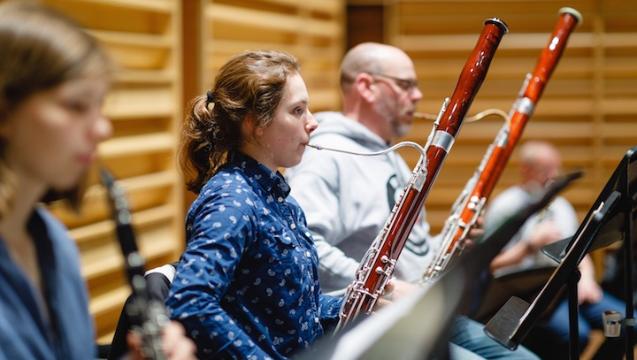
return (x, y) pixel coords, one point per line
(573, 315)
(629, 322)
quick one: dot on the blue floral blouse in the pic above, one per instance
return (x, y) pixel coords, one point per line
(247, 284)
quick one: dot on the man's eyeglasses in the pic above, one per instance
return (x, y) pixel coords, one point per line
(405, 84)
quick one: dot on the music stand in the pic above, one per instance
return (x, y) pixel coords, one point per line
(417, 327)
(610, 219)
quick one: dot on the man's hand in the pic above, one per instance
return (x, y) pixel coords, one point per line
(399, 289)
(475, 233)
(589, 292)
(395, 290)
(175, 344)
(545, 233)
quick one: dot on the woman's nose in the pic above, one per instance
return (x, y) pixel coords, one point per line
(102, 129)
(311, 124)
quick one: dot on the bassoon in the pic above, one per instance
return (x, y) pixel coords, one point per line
(377, 266)
(469, 205)
(147, 314)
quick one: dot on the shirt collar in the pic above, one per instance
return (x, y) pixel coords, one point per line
(272, 182)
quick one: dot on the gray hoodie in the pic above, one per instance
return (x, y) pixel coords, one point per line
(347, 199)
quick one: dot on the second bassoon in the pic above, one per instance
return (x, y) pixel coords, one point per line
(471, 201)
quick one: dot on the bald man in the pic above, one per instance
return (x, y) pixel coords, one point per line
(540, 162)
(347, 199)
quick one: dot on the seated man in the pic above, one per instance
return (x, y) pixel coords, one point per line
(347, 199)
(539, 163)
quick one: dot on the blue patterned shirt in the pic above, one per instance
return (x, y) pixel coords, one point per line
(247, 285)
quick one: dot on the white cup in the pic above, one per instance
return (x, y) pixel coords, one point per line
(612, 323)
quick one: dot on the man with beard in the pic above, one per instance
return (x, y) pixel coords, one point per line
(347, 199)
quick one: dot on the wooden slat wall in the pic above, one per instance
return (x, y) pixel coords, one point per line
(311, 30)
(144, 39)
(589, 106)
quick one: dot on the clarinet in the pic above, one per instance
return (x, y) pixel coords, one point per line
(470, 204)
(148, 315)
(377, 266)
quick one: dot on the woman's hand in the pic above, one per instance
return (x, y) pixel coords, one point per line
(175, 344)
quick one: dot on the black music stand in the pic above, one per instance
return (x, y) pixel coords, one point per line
(609, 220)
(420, 329)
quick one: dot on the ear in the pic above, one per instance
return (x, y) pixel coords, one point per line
(249, 127)
(365, 86)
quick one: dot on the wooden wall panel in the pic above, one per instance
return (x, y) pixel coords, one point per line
(311, 30)
(364, 23)
(589, 106)
(144, 39)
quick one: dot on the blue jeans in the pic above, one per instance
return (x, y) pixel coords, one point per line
(459, 353)
(469, 335)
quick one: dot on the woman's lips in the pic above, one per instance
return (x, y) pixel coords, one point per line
(86, 158)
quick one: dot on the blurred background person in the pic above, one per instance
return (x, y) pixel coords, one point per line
(53, 80)
(540, 163)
